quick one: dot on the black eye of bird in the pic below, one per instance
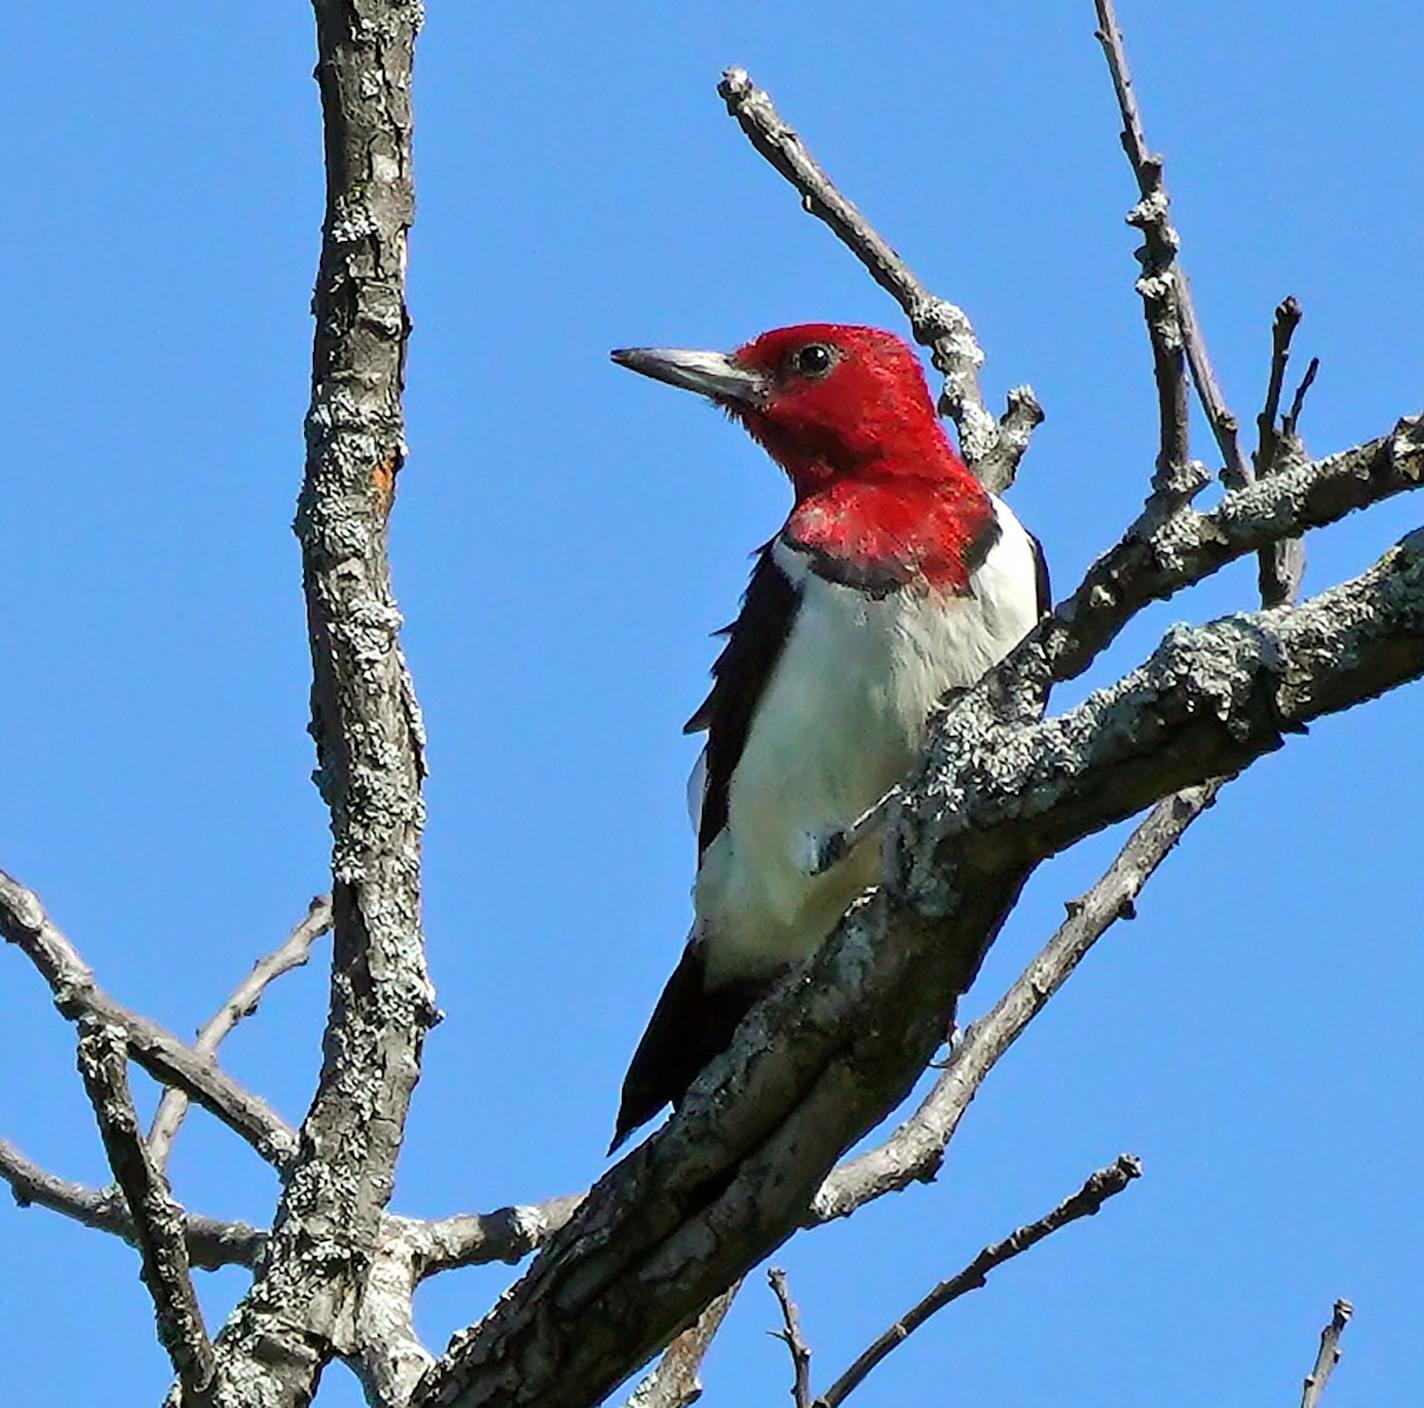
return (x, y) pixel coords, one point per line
(815, 359)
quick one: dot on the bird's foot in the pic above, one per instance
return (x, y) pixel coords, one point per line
(820, 850)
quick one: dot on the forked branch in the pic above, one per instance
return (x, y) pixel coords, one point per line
(242, 1003)
(211, 1243)
(365, 722)
(991, 448)
(1100, 1186)
(915, 1151)
(158, 1221)
(77, 995)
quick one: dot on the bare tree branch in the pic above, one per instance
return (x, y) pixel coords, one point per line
(242, 1003)
(1101, 1186)
(1224, 425)
(211, 1243)
(158, 1221)
(991, 449)
(915, 1151)
(366, 724)
(25, 924)
(1292, 416)
(1158, 557)
(794, 1340)
(1283, 326)
(475, 1239)
(1282, 565)
(674, 1382)
(1162, 288)
(1328, 1357)
(390, 1357)
(1168, 296)
(435, 1245)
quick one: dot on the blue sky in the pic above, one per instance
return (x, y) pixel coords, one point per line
(567, 536)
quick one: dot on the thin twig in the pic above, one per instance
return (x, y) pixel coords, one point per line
(211, 1243)
(674, 1381)
(1165, 263)
(1102, 1185)
(1283, 326)
(1175, 479)
(25, 924)
(1328, 1357)
(1280, 565)
(915, 1151)
(437, 1244)
(158, 1220)
(793, 1339)
(293, 953)
(992, 449)
(1224, 426)
(1292, 416)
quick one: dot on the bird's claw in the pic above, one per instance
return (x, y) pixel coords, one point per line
(821, 850)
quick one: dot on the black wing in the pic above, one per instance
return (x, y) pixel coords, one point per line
(1040, 572)
(740, 674)
(692, 1023)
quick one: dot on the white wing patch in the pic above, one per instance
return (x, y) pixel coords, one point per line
(697, 790)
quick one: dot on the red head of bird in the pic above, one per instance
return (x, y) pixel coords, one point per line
(847, 414)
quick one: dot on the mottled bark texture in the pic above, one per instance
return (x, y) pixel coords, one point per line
(306, 1303)
(158, 1221)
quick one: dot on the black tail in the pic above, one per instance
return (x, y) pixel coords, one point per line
(690, 1025)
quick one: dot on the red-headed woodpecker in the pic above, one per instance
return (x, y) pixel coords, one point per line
(895, 578)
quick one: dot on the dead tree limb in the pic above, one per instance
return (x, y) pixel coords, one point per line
(992, 449)
(1100, 1186)
(1328, 1356)
(242, 1003)
(369, 739)
(157, 1220)
(24, 922)
(211, 1243)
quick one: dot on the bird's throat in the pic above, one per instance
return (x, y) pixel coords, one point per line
(897, 528)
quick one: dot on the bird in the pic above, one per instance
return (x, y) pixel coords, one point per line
(896, 579)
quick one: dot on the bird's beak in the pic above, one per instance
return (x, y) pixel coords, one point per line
(711, 374)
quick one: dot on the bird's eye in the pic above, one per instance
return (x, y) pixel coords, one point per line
(813, 360)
